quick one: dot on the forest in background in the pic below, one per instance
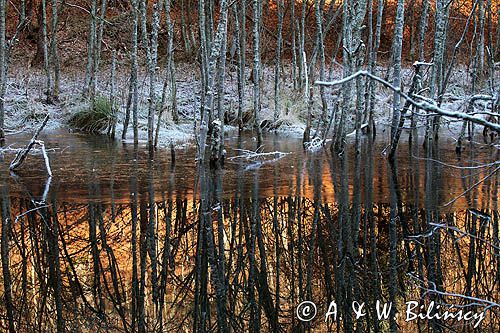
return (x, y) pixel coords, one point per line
(290, 44)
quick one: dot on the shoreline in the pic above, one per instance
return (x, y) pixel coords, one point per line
(25, 104)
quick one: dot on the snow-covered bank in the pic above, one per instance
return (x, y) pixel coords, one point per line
(26, 101)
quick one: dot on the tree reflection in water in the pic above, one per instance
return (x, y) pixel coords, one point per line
(164, 262)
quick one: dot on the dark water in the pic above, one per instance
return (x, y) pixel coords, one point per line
(116, 242)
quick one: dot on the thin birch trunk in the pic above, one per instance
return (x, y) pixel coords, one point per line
(170, 75)
(240, 69)
(134, 69)
(46, 63)
(54, 52)
(294, 44)
(440, 36)
(481, 40)
(422, 29)
(90, 50)
(99, 27)
(215, 53)
(112, 98)
(3, 68)
(302, 52)
(257, 10)
(152, 54)
(171, 62)
(397, 49)
(322, 124)
(277, 61)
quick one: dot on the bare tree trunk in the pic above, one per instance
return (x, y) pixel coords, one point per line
(5, 239)
(218, 148)
(322, 124)
(170, 75)
(152, 56)
(240, 51)
(411, 26)
(112, 98)
(133, 74)
(99, 26)
(91, 44)
(215, 53)
(302, 52)
(203, 130)
(422, 28)
(440, 36)
(46, 63)
(54, 52)
(481, 40)
(3, 68)
(277, 62)
(171, 62)
(294, 43)
(372, 64)
(397, 49)
(353, 17)
(257, 10)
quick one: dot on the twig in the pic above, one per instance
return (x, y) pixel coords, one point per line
(472, 187)
(29, 211)
(457, 166)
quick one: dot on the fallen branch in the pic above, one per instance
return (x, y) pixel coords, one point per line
(421, 105)
(354, 132)
(258, 155)
(314, 145)
(22, 154)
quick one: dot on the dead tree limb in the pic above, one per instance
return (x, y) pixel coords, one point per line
(425, 105)
(22, 154)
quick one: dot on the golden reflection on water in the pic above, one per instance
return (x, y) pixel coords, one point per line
(139, 246)
(464, 265)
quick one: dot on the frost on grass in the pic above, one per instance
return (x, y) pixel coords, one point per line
(96, 117)
(26, 103)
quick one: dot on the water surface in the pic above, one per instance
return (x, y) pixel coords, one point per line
(118, 242)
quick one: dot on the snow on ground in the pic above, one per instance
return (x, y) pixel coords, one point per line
(26, 107)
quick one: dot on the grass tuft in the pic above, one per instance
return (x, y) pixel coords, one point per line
(94, 119)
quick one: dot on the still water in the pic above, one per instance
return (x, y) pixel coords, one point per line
(116, 242)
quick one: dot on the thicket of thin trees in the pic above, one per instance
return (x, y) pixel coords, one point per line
(304, 41)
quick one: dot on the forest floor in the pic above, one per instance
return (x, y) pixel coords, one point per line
(26, 101)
